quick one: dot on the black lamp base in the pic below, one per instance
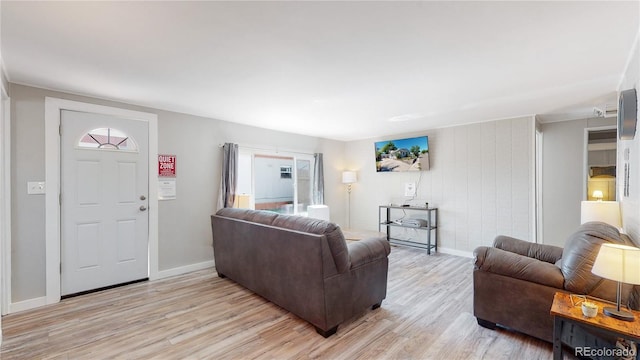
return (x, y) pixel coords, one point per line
(618, 314)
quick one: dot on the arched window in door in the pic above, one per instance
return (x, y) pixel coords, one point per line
(107, 139)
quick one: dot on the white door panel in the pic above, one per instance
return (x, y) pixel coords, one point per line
(88, 238)
(104, 222)
(88, 189)
(126, 188)
(126, 236)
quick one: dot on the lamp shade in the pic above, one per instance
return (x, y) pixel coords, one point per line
(597, 194)
(618, 262)
(349, 177)
(605, 211)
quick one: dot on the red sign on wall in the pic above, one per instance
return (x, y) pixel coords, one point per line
(167, 165)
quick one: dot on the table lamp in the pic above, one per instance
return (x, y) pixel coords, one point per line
(620, 263)
(598, 195)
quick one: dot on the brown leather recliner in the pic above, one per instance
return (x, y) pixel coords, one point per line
(514, 281)
(303, 265)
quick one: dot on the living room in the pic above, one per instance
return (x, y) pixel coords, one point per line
(483, 150)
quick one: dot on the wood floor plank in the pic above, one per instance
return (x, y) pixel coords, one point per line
(427, 315)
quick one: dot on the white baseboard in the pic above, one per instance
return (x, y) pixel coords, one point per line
(42, 301)
(467, 254)
(184, 269)
(27, 304)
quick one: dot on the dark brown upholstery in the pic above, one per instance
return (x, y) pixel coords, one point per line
(514, 282)
(301, 264)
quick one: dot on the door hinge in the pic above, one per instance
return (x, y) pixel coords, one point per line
(60, 198)
(60, 268)
(60, 129)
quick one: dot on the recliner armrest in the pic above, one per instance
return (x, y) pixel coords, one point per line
(517, 266)
(367, 250)
(547, 253)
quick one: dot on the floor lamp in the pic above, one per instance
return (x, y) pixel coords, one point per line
(349, 177)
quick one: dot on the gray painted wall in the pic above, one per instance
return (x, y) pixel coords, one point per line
(481, 179)
(184, 224)
(563, 176)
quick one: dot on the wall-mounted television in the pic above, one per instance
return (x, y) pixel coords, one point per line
(410, 154)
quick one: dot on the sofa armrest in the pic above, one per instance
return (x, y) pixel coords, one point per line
(517, 266)
(546, 253)
(367, 250)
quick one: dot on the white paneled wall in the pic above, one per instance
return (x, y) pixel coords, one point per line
(481, 179)
(630, 205)
(489, 205)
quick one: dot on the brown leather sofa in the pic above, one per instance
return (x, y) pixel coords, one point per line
(301, 264)
(514, 281)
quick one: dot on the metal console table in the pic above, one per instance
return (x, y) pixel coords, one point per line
(387, 221)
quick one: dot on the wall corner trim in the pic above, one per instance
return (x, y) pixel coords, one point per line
(27, 304)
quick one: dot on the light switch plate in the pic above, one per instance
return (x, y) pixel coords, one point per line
(410, 189)
(35, 187)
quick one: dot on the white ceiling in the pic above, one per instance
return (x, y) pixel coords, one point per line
(339, 70)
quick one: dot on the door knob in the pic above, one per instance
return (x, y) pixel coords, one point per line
(142, 208)
(142, 197)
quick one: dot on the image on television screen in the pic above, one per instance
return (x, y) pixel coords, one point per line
(411, 154)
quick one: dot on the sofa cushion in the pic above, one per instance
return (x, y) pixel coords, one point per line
(368, 250)
(260, 217)
(543, 252)
(335, 238)
(580, 252)
(517, 266)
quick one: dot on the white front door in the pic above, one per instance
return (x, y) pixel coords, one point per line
(104, 183)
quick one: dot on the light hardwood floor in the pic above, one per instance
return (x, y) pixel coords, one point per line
(427, 315)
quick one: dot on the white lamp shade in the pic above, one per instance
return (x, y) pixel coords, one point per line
(605, 211)
(318, 212)
(597, 194)
(349, 177)
(619, 263)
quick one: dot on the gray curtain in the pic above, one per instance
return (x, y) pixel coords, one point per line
(318, 180)
(229, 176)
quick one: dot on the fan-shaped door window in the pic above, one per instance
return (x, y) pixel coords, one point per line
(107, 139)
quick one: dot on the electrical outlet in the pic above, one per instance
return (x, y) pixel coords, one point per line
(35, 187)
(410, 189)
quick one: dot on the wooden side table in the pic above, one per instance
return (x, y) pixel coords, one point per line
(564, 312)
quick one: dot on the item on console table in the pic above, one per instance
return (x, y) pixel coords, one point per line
(589, 309)
(410, 217)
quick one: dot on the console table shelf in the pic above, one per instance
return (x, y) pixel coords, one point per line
(430, 227)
